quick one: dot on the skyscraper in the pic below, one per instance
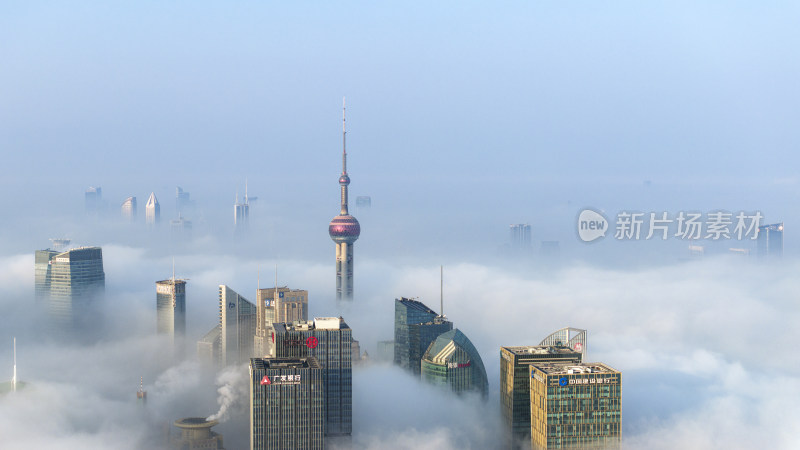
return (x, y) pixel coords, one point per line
(152, 210)
(520, 234)
(71, 283)
(329, 339)
(241, 212)
(182, 200)
(237, 323)
(344, 229)
(770, 240)
(515, 398)
(415, 327)
(210, 346)
(93, 198)
(575, 406)
(286, 403)
(288, 306)
(171, 307)
(129, 209)
(451, 360)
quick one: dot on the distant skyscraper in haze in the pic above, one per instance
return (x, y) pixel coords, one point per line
(152, 210)
(344, 229)
(129, 209)
(770, 240)
(415, 327)
(575, 405)
(71, 284)
(520, 234)
(287, 403)
(364, 201)
(93, 199)
(237, 318)
(241, 212)
(210, 346)
(182, 201)
(451, 360)
(330, 340)
(171, 307)
(180, 228)
(515, 386)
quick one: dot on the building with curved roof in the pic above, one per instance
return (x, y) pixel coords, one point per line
(574, 338)
(452, 360)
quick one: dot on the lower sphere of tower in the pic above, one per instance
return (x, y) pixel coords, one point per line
(344, 229)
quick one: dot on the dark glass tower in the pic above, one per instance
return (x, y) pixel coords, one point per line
(286, 403)
(344, 229)
(329, 339)
(415, 327)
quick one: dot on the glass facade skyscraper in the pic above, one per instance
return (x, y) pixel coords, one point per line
(286, 403)
(237, 322)
(770, 240)
(71, 284)
(329, 339)
(451, 360)
(575, 406)
(515, 398)
(171, 307)
(415, 327)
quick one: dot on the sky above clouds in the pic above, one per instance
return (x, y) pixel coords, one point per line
(463, 117)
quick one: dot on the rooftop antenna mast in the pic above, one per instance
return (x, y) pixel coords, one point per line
(275, 294)
(14, 378)
(441, 290)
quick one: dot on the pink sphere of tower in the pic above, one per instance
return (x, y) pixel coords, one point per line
(344, 229)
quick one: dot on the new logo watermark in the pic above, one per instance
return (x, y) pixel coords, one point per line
(632, 225)
(592, 225)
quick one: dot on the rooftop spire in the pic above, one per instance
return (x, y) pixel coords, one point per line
(14, 378)
(344, 141)
(441, 291)
(275, 294)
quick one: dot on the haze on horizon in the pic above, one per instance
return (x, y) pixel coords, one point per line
(462, 119)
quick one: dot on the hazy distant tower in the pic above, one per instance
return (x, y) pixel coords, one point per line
(241, 212)
(344, 230)
(152, 210)
(129, 209)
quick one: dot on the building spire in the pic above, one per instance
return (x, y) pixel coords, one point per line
(14, 378)
(441, 291)
(344, 140)
(275, 294)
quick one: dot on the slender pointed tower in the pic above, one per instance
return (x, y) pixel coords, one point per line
(344, 229)
(14, 378)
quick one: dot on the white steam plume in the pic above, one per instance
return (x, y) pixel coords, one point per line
(232, 382)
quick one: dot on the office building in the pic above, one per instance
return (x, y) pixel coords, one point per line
(180, 228)
(241, 212)
(515, 395)
(171, 307)
(364, 201)
(385, 351)
(286, 403)
(520, 234)
(152, 210)
(210, 346)
(129, 209)
(71, 284)
(183, 201)
(344, 230)
(329, 339)
(451, 360)
(93, 198)
(237, 323)
(196, 434)
(415, 327)
(769, 242)
(575, 406)
(288, 306)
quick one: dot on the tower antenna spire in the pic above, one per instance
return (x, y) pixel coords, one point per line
(14, 378)
(245, 190)
(441, 291)
(173, 270)
(344, 140)
(275, 294)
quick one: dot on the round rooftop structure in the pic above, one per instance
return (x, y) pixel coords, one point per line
(344, 179)
(344, 229)
(194, 428)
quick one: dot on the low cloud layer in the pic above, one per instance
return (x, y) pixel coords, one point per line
(705, 349)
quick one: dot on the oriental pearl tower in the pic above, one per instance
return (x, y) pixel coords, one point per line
(344, 230)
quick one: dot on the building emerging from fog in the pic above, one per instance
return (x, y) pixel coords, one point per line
(129, 209)
(286, 403)
(344, 229)
(183, 200)
(171, 307)
(196, 434)
(71, 284)
(288, 306)
(770, 240)
(237, 324)
(241, 212)
(575, 406)
(209, 347)
(515, 399)
(451, 360)
(520, 234)
(330, 340)
(152, 210)
(415, 327)
(93, 198)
